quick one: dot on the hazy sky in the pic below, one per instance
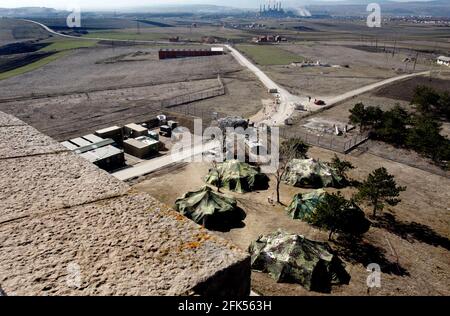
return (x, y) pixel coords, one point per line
(98, 4)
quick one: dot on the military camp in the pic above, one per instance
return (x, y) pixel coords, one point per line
(291, 258)
(311, 173)
(210, 209)
(237, 176)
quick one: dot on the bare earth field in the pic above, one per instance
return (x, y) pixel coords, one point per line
(71, 115)
(83, 70)
(243, 96)
(15, 30)
(410, 242)
(364, 68)
(405, 90)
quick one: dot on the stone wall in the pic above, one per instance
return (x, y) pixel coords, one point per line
(69, 228)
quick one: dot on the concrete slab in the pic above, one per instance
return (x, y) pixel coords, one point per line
(24, 140)
(9, 120)
(130, 245)
(31, 185)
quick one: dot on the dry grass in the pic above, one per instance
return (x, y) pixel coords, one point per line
(417, 229)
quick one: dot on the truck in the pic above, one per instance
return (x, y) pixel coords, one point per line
(273, 90)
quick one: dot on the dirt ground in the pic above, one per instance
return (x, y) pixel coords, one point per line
(386, 98)
(364, 68)
(243, 96)
(410, 241)
(84, 70)
(404, 90)
(15, 30)
(74, 115)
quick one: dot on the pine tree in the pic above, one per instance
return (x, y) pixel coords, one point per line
(379, 189)
(336, 214)
(341, 166)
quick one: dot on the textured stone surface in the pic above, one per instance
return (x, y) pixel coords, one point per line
(131, 245)
(69, 228)
(46, 182)
(9, 120)
(24, 140)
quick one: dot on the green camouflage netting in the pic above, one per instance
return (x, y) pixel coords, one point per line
(311, 173)
(238, 176)
(304, 205)
(292, 258)
(208, 208)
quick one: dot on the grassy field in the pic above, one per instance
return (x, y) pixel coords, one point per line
(68, 44)
(269, 55)
(32, 66)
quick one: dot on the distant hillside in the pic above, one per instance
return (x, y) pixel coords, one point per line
(28, 12)
(439, 8)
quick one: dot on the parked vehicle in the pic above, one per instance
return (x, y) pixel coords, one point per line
(165, 131)
(319, 102)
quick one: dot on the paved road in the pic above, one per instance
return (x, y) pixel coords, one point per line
(97, 38)
(155, 164)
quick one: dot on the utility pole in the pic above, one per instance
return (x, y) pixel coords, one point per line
(395, 47)
(138, 27)
(415, 61)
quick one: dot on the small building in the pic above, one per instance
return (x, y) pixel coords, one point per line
(69, 145)
(113, 132)
(141, 147)
(217, 49)
(269, 39)
(108, 158)
(80, 142)
(134, 130)
(93, 139)
(183, 53)
(443, 60)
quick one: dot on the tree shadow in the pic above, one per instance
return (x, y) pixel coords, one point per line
(353, 183)
(411, 231)
(355, 250)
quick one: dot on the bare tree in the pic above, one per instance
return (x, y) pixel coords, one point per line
(216, 170)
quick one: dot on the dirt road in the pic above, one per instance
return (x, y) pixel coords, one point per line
(348, 95)
(152, 165)
(288, 101)
(277, 114)
(95, 38)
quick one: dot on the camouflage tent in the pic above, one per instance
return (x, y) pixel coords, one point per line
(208, 208)
(304, 205)
(294, 259)
(311, 173)
(238, 176)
